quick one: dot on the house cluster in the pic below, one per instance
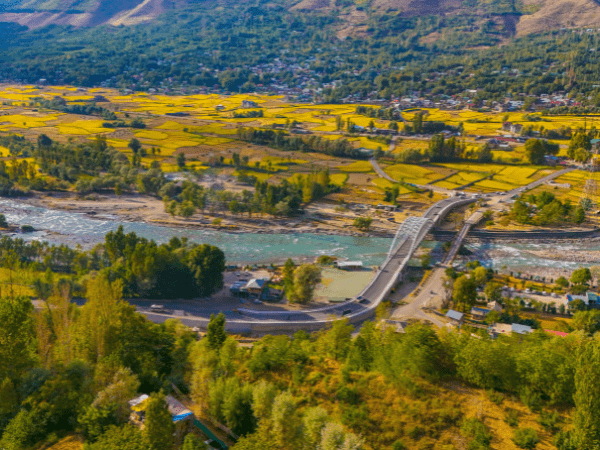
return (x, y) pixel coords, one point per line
(457, 319)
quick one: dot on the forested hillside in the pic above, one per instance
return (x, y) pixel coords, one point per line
(69, 369)
(364, 54)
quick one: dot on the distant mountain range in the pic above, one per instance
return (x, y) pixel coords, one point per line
(523, 16)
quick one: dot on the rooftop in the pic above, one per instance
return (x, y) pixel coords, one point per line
(454, 315)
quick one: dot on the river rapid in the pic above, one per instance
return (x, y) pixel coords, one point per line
(65, 227)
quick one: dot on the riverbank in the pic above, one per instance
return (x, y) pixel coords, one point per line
(319, 219)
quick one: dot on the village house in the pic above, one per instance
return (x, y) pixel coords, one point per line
(256, 287)
(494, 306)
(456, 318)
(479, 313)
(249, 104)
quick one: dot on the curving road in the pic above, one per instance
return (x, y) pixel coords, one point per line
(410, 234)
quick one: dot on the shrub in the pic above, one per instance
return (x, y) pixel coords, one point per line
(549, 421)
(511, 417)
(476, 430)
(495, 396)
(525, 438)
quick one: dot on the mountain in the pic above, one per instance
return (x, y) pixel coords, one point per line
(82, 13)
(527, 16)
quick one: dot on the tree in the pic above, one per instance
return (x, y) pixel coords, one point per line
(288, 274)
(493, 291)
(192, 442)
(134, 145)
(126, 437)
(3, 222)
(465, 291)
(215, 331)
(17, 337)
(181, 160)
(363, 223)
(207, 264)
(237, 410)
(479, 276)
(9, 402)
(314, 420)
(537, 149)
(306, 278)
(587, 321)
(595, 272)
(580, 141)
(285, 420)
(586, 420)
(562, 282)
(263, 395)
(117, 394)
(336, 341)
(24, 430)
(158, 426)
(581, 276)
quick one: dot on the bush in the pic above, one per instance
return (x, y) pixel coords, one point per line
(549, 421)
(495, 396)
(511, 417)
(476, 430)
(525, 438)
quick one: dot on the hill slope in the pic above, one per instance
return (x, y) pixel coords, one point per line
(532, 15)
(82, 13)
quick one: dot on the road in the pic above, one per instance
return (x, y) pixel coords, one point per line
(411, 234)
(429, 295)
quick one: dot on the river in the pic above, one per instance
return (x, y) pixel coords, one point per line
(65, 227)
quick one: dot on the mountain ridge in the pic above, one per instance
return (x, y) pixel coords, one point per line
(532, 16)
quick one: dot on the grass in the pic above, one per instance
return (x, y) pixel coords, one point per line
(68, 443)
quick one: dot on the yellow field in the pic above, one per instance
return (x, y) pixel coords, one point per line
(412, 173)
(358, 166)
(84, 127)
(25, 121)
(339, 179)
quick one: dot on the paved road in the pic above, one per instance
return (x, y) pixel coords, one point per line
(375, 292)
(429, 295)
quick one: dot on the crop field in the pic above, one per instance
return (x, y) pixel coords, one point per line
(405, 144)
(412, 173)
(205, 130)
(339, 179)
(358, 167)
